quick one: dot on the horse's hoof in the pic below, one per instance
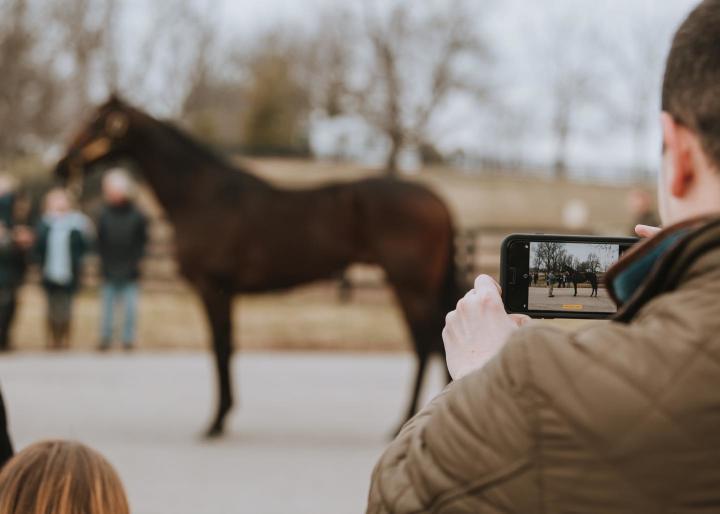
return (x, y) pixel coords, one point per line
(214, 432)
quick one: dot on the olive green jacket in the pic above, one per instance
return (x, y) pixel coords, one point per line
(619, 417)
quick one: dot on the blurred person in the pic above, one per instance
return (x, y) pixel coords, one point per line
(15, 241)
(61, 477)
(6, 446)
(122, 236)
(61, 245)
(620, 416)
(550, 284)
(640, 205)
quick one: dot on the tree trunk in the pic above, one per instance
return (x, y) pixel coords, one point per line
(391, 163)
(560, 166)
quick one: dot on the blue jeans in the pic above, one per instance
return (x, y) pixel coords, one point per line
(113, 293)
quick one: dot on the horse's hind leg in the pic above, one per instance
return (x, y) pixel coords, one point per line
(218, 305)
(419, 376)
(425, 321)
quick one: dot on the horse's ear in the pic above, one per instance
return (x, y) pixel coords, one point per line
(115, 100)
(116, 124)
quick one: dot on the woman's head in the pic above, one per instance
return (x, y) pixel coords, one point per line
(58, 201)
(60, 477)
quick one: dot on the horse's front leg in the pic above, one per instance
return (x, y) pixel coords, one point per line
(218, 307)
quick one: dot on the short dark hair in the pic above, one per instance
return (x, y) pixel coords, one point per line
(691, 87)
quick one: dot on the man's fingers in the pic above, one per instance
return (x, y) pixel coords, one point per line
(647, 231)
(487, 282)
(450, 317)
(520, 319)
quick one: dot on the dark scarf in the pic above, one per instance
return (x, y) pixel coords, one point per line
(657, 265)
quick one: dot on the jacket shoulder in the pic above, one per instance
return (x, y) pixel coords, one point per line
(472, 447)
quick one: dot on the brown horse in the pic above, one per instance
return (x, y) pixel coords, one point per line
(236, 233)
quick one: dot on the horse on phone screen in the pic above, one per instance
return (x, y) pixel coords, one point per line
(238, 234)
(580, 277)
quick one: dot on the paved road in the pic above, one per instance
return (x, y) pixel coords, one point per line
(305, 439)
(564, 300)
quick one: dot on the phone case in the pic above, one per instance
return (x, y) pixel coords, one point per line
(504, 250)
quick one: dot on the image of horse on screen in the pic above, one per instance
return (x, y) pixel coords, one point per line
(570, 276)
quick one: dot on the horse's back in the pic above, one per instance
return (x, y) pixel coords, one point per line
(407, 229)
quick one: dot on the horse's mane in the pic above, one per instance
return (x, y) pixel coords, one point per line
(204, 150)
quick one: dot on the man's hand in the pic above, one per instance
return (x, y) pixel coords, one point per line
(23, 237)
(477, 330)
(646, 231)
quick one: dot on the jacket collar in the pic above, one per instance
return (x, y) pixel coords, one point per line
(660, 264)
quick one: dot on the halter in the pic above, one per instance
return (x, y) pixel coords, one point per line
(116, 126)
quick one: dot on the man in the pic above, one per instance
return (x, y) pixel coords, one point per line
(621, 416)
(15, 241)
(122, 235)
(550, 283)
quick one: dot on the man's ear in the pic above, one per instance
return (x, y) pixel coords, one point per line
(678, 145)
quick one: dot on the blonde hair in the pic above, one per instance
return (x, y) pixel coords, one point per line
(60, 477)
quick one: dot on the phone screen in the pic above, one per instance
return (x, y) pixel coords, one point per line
(570, 277)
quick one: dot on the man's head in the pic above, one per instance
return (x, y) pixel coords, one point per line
(8, 184)
(117, 187)
(690, 179)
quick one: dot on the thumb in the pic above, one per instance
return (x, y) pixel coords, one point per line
(520, 319)
(647, 231)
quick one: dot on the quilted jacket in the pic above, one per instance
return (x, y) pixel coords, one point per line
(619, 417)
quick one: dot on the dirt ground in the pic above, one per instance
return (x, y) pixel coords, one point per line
(563, 300)
(307, 318)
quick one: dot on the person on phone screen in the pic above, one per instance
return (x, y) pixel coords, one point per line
(619, 416)
(550, 283)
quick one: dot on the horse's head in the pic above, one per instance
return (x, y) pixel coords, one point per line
(102, 139)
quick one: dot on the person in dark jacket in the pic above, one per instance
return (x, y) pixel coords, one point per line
(122, 236)
(62, 242)
(15, 241)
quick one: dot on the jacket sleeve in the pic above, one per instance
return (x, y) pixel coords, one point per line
(452, 456)
(40, 248)
(142, 235)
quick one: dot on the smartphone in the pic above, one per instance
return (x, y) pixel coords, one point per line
(552, 276)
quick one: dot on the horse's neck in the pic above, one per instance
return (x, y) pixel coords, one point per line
(177, 173)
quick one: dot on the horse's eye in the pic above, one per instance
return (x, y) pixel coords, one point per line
(116, 124)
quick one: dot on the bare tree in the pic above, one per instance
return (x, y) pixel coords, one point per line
(636, 57)
(85, 28)
(563, 47)
(550, 255)
(412, 65)
(28, 90)
(277, 94)
(15, 46)
(328, 60)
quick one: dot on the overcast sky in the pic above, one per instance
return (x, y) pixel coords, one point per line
(606, 254)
